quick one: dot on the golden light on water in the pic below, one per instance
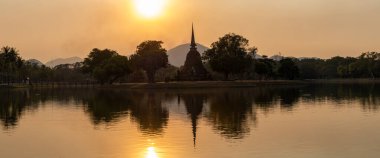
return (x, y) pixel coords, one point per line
(149, 8)
(151, 153)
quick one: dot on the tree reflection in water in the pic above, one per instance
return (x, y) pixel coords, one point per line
(231, 112)
(12, 106)
(106, 106)
(148, 112)
(145, 108)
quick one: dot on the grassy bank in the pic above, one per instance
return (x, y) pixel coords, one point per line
(202, 84)
(169, 85)
(345, 81)
(205, 84)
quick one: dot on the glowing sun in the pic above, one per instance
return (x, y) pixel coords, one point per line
(149, 8)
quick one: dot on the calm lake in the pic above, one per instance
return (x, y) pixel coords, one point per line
(313, 121)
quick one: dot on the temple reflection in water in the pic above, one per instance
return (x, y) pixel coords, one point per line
(230, 112)
(240, 122)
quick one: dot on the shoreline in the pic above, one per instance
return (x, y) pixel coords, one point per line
(205, 84)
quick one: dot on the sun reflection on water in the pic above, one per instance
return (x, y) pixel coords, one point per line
(151, 153)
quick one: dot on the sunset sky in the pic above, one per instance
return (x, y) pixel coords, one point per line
(48, 29)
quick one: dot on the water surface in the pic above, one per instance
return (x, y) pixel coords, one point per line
(315, 121)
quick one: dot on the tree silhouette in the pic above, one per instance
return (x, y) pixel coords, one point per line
(367, 65)
(288, 69)
(10, 62)
(106, 65)
(229, 55)
(310, 68)
(265, 67)
(150, 56)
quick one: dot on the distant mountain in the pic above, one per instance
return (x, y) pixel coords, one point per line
(61, 61)
(35, 61)
(177, 55)
(280, 57)
(257, 56)
(277, 57)
(305, 58)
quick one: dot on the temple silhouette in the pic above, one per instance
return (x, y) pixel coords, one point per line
(193, 70)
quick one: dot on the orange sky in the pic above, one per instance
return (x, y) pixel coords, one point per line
(46, 29)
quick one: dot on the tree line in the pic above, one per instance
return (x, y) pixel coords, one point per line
(229, 58)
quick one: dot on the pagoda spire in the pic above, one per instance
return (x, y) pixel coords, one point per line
(193, 44)
(194, 128)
